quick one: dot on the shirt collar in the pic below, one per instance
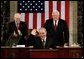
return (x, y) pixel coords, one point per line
(56, 22)
(44, 39)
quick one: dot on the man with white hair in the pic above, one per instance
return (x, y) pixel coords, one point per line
(16, 29)
(58, 29)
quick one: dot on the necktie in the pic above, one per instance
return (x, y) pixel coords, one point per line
(55, 26)
(43, 42)
(17, 25)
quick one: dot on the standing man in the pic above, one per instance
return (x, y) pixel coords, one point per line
(58, 29)
(17, 31)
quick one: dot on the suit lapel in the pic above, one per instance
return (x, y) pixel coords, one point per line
(39, 42)
(20, 25)
(52, 24)
(14, 26)
(47, 43)
(59, 27)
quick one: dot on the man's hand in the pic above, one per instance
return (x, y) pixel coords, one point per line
(14, 34)
(33, 32)
(19, 32)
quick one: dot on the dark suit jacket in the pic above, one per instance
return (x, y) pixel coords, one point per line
(61, 35)
(23, 28)
(37, 43)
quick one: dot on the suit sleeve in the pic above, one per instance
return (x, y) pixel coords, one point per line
(30, 40)
(25, 29)
(46, 24)
(9, 30)
(47, 27)
(66, 33)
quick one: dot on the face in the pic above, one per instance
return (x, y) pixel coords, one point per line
(42, 33)
(17, 17)
(55, 15)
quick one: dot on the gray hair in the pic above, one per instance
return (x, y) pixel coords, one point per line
(43, 28)
(55, 11)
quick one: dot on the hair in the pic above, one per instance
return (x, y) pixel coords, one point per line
(16, 14)
(42, 28)
(55, 11)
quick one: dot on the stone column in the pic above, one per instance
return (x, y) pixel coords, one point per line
(75, 11)
(73, 22)
(13, 9)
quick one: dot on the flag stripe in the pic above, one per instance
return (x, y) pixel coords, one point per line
(54, 5)
(22, 16)
(46, 10)
(59, 6)
(27, 19)
(63, 10)
(42, 19)
(50, 9)
(37, 20)
(30, 20)
(67, 12)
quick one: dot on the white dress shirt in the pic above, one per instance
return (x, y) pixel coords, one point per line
(56, 22)
(44, 40)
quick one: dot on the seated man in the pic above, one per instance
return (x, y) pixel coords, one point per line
(40, 41)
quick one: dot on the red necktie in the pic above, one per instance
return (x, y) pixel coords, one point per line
(17, 25)
(55, 26)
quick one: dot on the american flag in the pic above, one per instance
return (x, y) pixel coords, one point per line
(35, 13)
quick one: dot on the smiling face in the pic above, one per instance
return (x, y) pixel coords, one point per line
(55, 15)
(17, 17)
(42, 33)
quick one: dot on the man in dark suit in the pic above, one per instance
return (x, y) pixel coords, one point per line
(58, 29)
(40, 41)
(17, 31)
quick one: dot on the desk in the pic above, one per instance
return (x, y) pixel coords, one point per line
(7, 52)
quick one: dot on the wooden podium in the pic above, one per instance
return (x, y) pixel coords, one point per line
(8, 52)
